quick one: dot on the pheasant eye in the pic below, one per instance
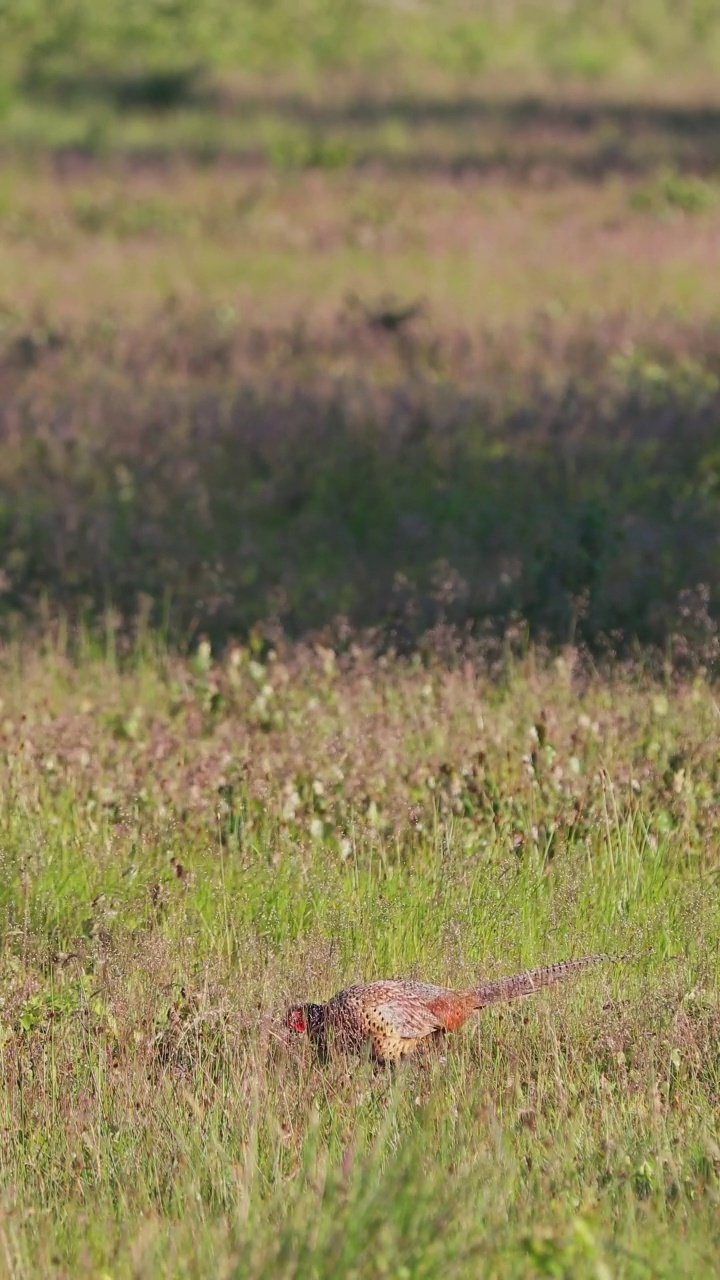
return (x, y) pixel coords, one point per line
(296, 1020)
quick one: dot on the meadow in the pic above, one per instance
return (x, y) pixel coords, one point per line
(359, 569)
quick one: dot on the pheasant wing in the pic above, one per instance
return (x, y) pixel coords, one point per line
(409, 1018)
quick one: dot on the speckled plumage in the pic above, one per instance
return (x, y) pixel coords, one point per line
(397, 1016)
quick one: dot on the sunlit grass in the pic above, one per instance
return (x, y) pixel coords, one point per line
(214, 423)
(184, 851)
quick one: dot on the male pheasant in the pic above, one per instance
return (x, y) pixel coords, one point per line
(397, 1017)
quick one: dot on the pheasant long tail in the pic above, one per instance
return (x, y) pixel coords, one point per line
(523, 984)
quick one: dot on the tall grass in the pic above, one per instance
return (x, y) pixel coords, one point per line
(226, 474)
(188, 844)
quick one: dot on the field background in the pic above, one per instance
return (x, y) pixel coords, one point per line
(359, 573)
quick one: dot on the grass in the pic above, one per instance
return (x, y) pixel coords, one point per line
(212, 77)
(190, 843)
(148, 53)
(180, 309)
(398, 478)
(359, 519)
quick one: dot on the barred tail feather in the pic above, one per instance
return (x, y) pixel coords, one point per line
(523, 984)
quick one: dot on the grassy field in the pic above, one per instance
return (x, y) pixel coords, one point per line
(187, 845)
(359, 580)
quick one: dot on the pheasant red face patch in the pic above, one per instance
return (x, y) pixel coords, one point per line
(296, 1020)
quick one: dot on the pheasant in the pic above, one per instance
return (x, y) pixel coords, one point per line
(398, 1017)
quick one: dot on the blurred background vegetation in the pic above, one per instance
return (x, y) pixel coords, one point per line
(313, 308)
(73, 56)
(52, 42)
